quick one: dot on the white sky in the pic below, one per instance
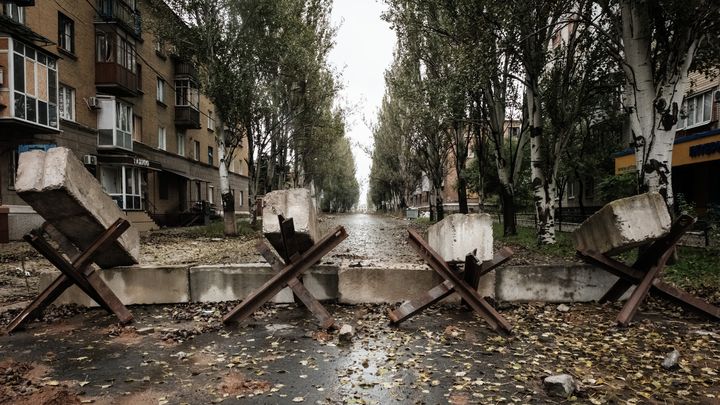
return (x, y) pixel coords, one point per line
(363, 50)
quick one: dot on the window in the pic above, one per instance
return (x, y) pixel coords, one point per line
(181, 143)
(66, 103)
(211, 194)
(698, 110)
(196, 150)
(187, 93)
(126, 54)
(241, 198)
(210, 155)
(211, 121)
(66, 33)
(114, 123)
(123, 185)
(570, 189)
(137, 128)
(34, 80)
(159, 47)
(113, 48)
(160, 90)
(162, 140)
(123, 124)
(138, 69)
(14, 12)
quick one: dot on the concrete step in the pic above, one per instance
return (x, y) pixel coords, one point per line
(142, 221)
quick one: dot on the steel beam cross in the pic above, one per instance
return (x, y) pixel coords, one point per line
(78, 271)
(465, 287)
(643, 274)
(296, 263)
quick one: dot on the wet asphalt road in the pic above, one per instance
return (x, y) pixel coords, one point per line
(372, 239)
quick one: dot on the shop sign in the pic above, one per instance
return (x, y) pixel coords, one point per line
(142, 162)
(705, 149)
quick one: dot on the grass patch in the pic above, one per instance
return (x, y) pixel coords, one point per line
(527, 238)
(216, 229)
(697, 269)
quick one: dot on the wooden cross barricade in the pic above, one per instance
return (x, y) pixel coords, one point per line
(296, 262)
(78, 270)
(466, 287)
(643, 274)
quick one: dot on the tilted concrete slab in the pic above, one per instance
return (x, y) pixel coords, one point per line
(296, 203)
(459, 234)
(553, 283)
(624, 224)
(141, 284)
(229, 282)
(59, 188)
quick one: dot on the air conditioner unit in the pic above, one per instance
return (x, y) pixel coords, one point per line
(90, 160)
(93, 103)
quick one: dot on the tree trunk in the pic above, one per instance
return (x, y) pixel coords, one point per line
(542, 184)
(653, 102)
(507, 199)
(228, 200)
(462, 194)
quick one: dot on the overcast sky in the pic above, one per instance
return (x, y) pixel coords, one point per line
(363, 50)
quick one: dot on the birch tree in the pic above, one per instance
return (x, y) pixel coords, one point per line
(658, 43)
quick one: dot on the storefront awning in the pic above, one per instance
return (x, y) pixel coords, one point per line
(127, 160)
(183, 175)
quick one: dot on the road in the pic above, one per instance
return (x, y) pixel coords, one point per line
(372, 239)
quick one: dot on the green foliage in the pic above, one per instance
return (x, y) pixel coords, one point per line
(527, 239)
(617, 186)
(216, 230)
(340, 189)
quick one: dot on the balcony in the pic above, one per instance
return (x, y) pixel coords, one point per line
(28, 89)
(119, 12)
(185, 70)
(187, 117)
(115, 79)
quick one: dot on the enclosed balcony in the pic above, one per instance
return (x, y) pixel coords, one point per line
(28, 88)
(115, 64)
(187, 101)
(121, 13)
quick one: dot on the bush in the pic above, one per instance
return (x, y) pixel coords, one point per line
(613, 187)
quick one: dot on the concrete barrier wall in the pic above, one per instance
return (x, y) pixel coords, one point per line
(392, 284)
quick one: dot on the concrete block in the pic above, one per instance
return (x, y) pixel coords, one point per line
(142, 284)
(59, 188)
(571, 283)
(624, 224)
(378, 285)
(459, 234)
(229, 282)
(297, 204)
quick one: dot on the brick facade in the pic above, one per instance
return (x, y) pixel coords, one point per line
(171, 181)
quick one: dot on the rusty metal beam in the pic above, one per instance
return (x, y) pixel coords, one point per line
(650, 256)
(260, 296)
(476, 302)
(633, 276)
(413, 307)
(298, 288)
(79, 271)
(644, 272)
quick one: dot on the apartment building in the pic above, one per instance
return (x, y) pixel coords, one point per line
(87, 75)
